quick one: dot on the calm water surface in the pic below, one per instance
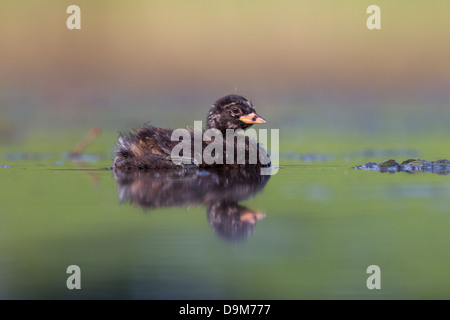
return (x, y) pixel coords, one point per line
(308, 232)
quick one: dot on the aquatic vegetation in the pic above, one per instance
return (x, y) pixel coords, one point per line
(441, 166)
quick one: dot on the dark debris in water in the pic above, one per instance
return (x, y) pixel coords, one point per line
(441, 166)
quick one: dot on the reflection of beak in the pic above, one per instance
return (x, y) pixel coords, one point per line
(252, 217)
(252, 118)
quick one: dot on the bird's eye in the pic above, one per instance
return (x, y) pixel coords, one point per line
(236, 110)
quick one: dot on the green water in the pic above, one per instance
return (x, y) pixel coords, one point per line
(324, 224)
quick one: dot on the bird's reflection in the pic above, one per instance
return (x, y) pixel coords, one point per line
(219, 190)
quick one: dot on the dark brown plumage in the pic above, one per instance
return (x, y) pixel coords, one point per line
(151, 147)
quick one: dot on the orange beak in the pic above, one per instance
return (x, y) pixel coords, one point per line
(252, 217)
(252, 118)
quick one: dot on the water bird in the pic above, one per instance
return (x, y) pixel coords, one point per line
(150, 147)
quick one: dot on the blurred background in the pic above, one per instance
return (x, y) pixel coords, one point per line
(340, 94)
(308, 65)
